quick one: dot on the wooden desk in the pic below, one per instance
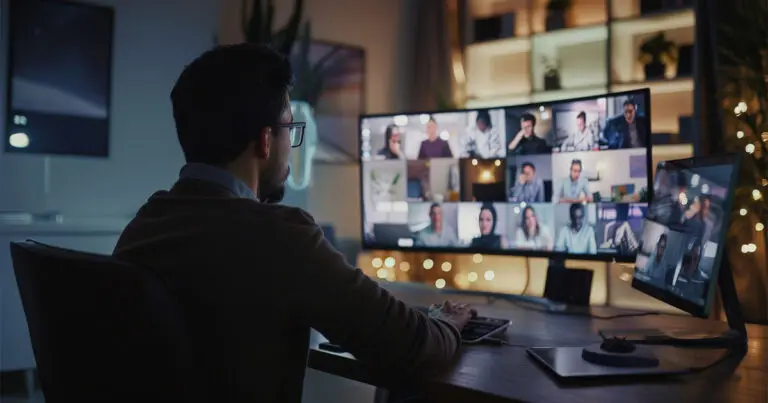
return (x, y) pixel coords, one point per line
(488, 373)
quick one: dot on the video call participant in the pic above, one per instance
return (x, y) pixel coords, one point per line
(626, 130)
(482, 140)
(618, 233)
(583, 139)
(529, 188)
(392, 147)
(488, 238)
(577, 237)
(436, 234)
(690, 282)
(233, 120)
(699, 219)
(531, 235)
(434, 146)
(574, 188)
(656, 266)
(666, 207)
(526, 142)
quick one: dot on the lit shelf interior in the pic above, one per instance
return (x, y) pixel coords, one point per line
(580, 54)
(628, 36)
(498, 67)
(582, 13)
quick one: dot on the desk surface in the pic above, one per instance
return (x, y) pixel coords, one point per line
(487, 373)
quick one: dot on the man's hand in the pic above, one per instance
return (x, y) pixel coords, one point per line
(523, 178)
(458, 314)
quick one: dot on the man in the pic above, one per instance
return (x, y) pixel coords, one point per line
(581, 140)
(699, 220)
(434, 146)
(482, 140)
(577, 237)
(253, 277)
(656, 268)
(574, 188)
(526, 142)
(529, 188)
(436, 234)
(627, 130)
(690, 283)
(667, 207)
(618, 234)
(392, 150)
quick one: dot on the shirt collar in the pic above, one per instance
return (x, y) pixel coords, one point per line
(218, 176)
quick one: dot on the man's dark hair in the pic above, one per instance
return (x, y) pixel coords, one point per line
(388, 133)
(582, 115)
(485, 117)
(528, 164)
(224, 98)
(662, 237)
(527, 117)
(433, 206)
(576, 207)
(577, 162)
(630, 101)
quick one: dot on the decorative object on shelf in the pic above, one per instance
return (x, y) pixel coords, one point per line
(551, 74)
(742, 92)
(685, 61)
(496, 27)
(557, 13)
(655, 54)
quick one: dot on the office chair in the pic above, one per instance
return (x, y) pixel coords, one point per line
(102, 330)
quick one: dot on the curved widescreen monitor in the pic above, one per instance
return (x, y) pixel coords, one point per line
(683, 238)
(565, 179)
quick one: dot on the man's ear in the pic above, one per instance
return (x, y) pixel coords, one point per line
(264, 143)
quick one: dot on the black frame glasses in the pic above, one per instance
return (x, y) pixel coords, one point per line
(295, 132)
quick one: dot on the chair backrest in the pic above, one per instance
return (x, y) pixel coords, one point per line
(101, 330)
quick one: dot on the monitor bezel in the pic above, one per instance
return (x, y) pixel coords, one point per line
(668, 297)
(554, 255)
(109, 13)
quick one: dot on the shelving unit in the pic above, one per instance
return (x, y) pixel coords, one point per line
(596, 51)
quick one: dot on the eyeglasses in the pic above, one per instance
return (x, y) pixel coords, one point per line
(295, 132)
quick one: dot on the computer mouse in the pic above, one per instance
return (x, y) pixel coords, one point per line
(617, 345)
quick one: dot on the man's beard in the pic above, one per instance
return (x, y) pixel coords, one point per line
(272, 184)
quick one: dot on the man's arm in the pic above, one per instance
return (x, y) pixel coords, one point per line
(353, 311)
(540, 193)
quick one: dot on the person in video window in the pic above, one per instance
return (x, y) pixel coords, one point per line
(667, 206)
(577, 236)
(656, 266)
(436, 234)
(392, 149)
(529, 188)
(627, 130)
(482, 140)
(434, 146)
(699, 219)
(574, 188)
(618, 233)
(531, 235)
(691, 282)
(488, 238)
(583, 139)
(526, 141)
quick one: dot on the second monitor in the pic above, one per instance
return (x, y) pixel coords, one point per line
(566, 178)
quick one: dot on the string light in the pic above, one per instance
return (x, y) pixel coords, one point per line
(749, 248)
(477, 258)
(405, 266)
(389, 262)
(764, 136)
(743, 212)
(472, 277)
(765, 182)
(740, 134)
(382, 273)
(756, 194)
(750, 148)
(439, 283)
(428, 264)
(489, 275)
(742, 106)
(446, 266)
(377, 262)
(759, 226)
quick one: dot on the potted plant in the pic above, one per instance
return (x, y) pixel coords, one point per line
(557, 12)
(551, 74)
(655, 54)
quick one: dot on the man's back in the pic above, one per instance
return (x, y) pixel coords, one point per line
(252, 278)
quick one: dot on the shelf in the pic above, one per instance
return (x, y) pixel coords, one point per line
(567, 93)
(654, 23)
(571, 36)
(499, 47)
(658, 87)
(498, 68)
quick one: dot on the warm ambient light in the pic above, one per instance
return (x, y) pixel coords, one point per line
(19, 140)
(486, 175)
(748, 248)
(477, 258)
(389, 262)
(740, 134)
(489, 275)
(742, 106)
(377, 262)
(439, 283)
(750, 148)
(474, 162)
(497, 163)
(759, 226)
(756, 194)
(446, 266)
(743, 212)
(428, 264)
(382, 273)
(472, 277)
(405, 266)
(625, 277)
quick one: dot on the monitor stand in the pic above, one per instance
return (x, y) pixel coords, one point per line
(735, 338)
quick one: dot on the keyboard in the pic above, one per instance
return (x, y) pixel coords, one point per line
(479, 328)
